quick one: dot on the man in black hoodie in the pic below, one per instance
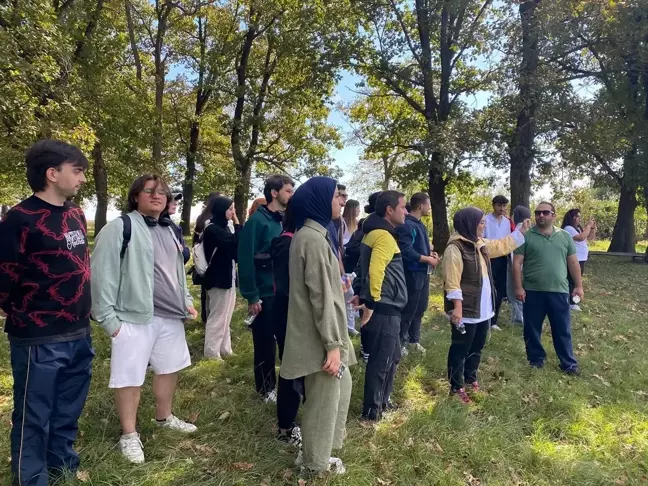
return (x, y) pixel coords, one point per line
(383, 295)
(418, 261)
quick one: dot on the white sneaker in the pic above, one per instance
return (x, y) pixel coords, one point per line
(404, 351)
(336, 466)
(575, 308)
(270, 397)
(496, 328)
(131, 448)
(174, 423)
(418, 347)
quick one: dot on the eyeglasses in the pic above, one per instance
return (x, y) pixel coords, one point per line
(149, 191)
(544, 212)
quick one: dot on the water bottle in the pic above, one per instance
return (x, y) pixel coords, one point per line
(460, 326)
(250, 317)
(348, 278)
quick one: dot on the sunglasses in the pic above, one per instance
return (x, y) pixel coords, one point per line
(544, 212)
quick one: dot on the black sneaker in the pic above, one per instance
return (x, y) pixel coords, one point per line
(536, 364)
(291, 437)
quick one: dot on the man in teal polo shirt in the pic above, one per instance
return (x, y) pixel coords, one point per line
(547, 254)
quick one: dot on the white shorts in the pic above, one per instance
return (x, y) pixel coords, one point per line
(161, 343)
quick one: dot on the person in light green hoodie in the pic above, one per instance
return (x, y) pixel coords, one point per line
(140, 298)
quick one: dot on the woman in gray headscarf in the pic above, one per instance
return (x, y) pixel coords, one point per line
(469, 293)
(520, 214)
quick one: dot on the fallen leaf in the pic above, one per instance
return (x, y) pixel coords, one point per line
(409, 442)
(606, 383)
(242, 466)
(287, 474)
(383, 482)
(228, 380)
(224, 416)
(193, 417)
(438, 448)
(301, 482)
(83, 476)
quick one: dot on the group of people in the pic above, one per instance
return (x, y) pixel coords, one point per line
(308, 269)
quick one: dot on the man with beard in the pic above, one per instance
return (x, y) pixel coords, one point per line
(547, 254)
(256, 279)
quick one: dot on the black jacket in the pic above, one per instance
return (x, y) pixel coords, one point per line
(280, 253)
(220, 270)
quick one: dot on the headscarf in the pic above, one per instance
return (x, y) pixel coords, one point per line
(466, 222)
(520, 213)
(312, 200)
(219, 208)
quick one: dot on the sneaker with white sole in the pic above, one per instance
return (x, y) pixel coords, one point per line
(270, 397)
(418, 347)
(131, 448)
(291, 436)
(496, 328)
(404, 351)
(174, 423)
(575, 308)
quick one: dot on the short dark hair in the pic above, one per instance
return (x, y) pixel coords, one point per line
(138, 186)
(500, 200)
(47, 154)
(387, 199)
(341, 187)
(553, 208)
(371, 207)
(418, 200)
(275, 183)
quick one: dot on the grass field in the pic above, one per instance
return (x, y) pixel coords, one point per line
(530, 427)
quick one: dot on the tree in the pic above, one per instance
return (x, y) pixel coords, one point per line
(424, 52)
(521, 145)
(605, 42)
(387, 129)
(285, 70)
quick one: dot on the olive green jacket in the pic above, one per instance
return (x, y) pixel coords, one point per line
(317, 319)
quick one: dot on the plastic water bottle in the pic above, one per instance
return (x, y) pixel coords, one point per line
(348, 278)
(460, 326)
(250, 317)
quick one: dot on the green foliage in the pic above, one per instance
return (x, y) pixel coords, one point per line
(528, 427)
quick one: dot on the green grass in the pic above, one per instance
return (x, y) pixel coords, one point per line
(530, 427)
(603, 245)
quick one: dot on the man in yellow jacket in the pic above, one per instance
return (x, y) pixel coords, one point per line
(383, 295)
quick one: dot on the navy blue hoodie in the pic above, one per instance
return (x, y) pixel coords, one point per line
(413, 242)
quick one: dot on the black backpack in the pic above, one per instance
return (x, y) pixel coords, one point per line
(352, 250)
(126, 235)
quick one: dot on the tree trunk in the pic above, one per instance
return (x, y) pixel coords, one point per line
(623, 236)
(133, 40)
(386, 173)
(190, 175)
(437, 192)
(521, 146)
(101, 187)
(157, 124)
(4, 209)
(646, 207)
(242, 189)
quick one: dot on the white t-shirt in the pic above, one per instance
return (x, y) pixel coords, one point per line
(582, 250)
(497, 229)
